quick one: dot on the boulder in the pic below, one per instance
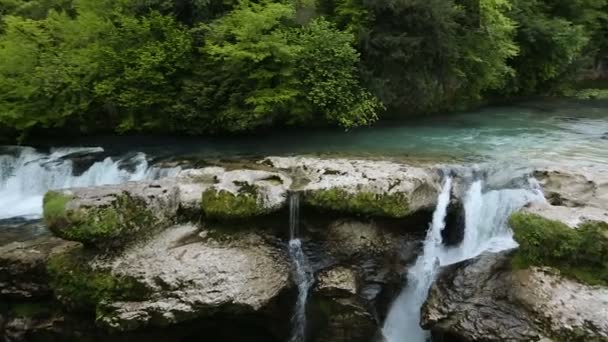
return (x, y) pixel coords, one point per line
(241, 194)
(112, 215)
(23, 273)
(484, 299)
(569, 187)
(337, 282)
(181, 274)
(363, 187)
(340, 314)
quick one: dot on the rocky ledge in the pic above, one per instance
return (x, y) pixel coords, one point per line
(209, 245)
(207, 249)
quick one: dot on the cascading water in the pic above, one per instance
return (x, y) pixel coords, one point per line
(26, 175)
(486, 229)
(402, 322)
(301, 272)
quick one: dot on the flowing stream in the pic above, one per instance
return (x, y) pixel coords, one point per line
(486, 229)
(26, 175)
(301, 271)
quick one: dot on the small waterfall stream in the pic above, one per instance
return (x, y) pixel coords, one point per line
(486, 229)
(402, 322)
(26, 175)
(301, 271)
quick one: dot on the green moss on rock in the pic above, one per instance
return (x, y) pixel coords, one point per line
(394, 205)
(54, 207)
(81, 287)
(104, 226)
(31, 309)
(580, 253)
(224, 205)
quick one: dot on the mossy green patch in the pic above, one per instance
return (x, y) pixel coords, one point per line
(82, 287)
(224, 205)
(580, 253)
(589, 94)
(109, 226)
(31, 309)
(394, 205)
(54, 207)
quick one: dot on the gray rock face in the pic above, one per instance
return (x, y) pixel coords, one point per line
(191, 274)
(337, 281)
(344, 312)
(23, 273)
(113, 215)
(571, 216)
(574, 188)
(484, 300)
(389, 183)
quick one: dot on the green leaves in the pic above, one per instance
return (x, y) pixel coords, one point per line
(210, 66)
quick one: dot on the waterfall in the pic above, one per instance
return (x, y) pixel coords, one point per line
(486, 229)
(301, 272)
(26, 175)
(402, 322)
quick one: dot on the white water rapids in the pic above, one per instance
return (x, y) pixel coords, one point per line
(26, 175)
(486, 229)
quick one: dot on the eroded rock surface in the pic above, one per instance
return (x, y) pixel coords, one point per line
(565, 186)
(571, 216)
(483, 299)
(112, 215)
(23, 273)
(366, 187)
(190, 274)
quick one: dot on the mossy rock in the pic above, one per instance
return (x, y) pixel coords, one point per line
(112, 225)
(81, 287)
(224, 205)
(580, 253)
(31, 309)
(393, 205)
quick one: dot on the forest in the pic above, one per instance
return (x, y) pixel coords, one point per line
(229, 66)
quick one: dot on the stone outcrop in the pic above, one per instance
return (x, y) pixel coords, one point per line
(181, 274)
(484, 299)
(113, 215)
(344, 314)
(23, 273)
(574, 188)
(363, 187)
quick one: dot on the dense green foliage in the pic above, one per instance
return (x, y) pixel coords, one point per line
(581, 253)
(200, 66)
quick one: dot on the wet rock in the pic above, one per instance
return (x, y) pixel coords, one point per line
(113, 215)
(471, 300)
(83, 159)
(370, 188)
(484, 299)
(453, 233)
(339, 313)
(337, 282)
(348, 238)
(186, 276)
(23, 273)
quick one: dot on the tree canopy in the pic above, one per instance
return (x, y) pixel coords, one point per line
(209, 66)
